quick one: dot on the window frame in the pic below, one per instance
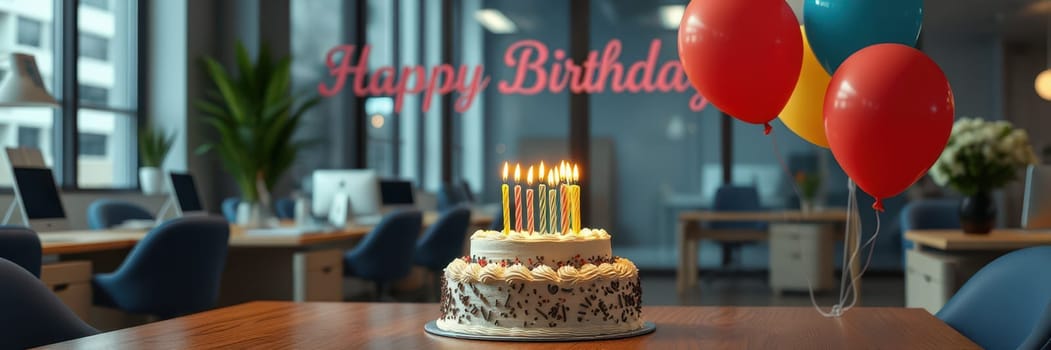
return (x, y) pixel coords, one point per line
(66, 136)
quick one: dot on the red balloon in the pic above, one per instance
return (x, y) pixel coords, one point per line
(743, 56)
(888, 116)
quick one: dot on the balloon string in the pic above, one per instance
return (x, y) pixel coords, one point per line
(848, 290)
(767, 128)
(878, 205)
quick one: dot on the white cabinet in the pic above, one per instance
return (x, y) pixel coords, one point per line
(318, 275)
(800, 253)
(71, 282)
(931, 278)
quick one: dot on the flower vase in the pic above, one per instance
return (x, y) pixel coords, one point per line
(151, 180)
(250, 215)
(977, 213)
(806, 206)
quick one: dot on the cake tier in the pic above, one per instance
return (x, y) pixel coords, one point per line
(554, 250)
(518, 301)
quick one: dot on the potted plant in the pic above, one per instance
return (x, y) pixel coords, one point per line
(154, 146)
(981, 156)
(255, 116)
(808, 185)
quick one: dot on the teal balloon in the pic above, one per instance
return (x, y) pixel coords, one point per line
(837, 29)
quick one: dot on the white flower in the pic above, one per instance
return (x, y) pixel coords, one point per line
(994, 150)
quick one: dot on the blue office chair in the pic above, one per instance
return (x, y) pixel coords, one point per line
(285, 208)
(736, 198)
(21, 246)
(174, 271)
(386, 254)
(106, 213)
(1005, 304)
(928, 214)
(450, 195)
(465, 187)
(443, 241)
(32, 315)
(229, 208)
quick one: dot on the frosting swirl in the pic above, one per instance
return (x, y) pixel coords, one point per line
(490, 272)
(546, 272)
(462, 271)
(517, 273)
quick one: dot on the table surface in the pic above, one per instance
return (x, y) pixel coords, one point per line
(1002, 239)
(828, 215)
(287, 325)
(85, 241)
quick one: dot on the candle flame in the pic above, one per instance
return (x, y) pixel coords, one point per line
(541, 173)
(529, 176)
(551, 178)
(505, 170)
(518, 173)
(576, 173)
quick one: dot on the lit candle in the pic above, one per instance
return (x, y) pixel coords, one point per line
(507, 211)
(518, 198)
(552, 199)
(575, 193)
(529, 199)
(564, 193)
(543, 199)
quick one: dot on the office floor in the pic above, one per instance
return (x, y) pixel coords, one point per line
(748, 288)
(751, 289)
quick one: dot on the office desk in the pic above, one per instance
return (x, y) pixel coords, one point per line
(258, 267)
(282, 325)
(941, 261)
(691, 231)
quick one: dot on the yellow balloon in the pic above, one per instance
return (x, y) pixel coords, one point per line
(803, 113)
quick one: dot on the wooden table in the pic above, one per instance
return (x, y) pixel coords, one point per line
(87, 241)
(943, 260)
(956, 240)
(282, 325)
(300, 267)
(691, 231)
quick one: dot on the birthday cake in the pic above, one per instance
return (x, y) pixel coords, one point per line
(528, 283)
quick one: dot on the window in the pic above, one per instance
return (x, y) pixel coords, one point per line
(93, 95)
(29, 137)
(30, 32)
(94, 46)
(106, 87)
(92, 144)
(98, 4)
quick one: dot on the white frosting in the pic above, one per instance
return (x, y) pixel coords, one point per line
(529, 248)
(462, 271)
(543, 301)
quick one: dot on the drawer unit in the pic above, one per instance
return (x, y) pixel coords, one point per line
(798, 253)
(71, 282)
(318, 275)
(931, 278)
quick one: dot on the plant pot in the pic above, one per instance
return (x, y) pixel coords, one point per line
(806, 206)
(251, 215)
(978, 213)
(151, 180)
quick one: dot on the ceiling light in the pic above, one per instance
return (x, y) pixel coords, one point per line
(671, 15)
(495, 21)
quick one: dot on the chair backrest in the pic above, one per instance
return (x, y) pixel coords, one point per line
(929, 214)
(468, 196)
(385, 254)
(106, 213)
(737, 198)
(498, 220)
(285, 208)
(176, 268)
(1001, 305)
(443, 241)
(21, 246)
(450, 195)
(32, 315)
(229, 207)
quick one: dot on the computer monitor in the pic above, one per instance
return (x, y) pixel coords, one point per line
(360, 185)
(397, 193)
(184, 192)
(1036, 205)
(41, 205)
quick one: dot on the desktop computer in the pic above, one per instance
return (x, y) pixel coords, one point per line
(1036, 205)
(346, 196)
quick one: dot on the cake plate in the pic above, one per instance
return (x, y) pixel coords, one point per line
(647, 328)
